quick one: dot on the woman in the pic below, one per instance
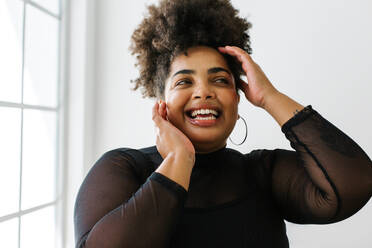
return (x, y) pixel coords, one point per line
(190, 190)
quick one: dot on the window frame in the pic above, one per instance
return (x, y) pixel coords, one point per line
(60, 110)
(78, 71)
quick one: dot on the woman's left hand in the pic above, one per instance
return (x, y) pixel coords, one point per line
(258, 88)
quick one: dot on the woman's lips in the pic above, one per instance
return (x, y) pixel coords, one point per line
(202, 123)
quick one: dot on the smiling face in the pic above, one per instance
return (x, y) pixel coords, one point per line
(201, 98)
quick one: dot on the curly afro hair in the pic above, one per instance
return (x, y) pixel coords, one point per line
(176, 25)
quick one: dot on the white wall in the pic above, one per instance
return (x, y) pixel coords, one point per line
(317, 52)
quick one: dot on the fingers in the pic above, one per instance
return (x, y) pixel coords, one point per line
(163, 110)
(233, 50)
(159, 112)
(155, 114)
(222, 49)
(241, 55)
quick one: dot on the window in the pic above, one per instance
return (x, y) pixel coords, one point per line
(29, 122)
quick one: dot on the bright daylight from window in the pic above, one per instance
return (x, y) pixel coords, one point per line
(29, 117)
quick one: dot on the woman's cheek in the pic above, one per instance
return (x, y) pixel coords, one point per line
(172, 112)
(232, 99)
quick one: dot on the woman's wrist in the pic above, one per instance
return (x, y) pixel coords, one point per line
(177, 167)
(269, 99)
(281, 107)
(182, 157)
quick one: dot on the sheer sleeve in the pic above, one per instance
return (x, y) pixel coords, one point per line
(115, 208)
(326, 179)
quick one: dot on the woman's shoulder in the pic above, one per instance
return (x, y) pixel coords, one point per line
(142, 161)
(134, 153)
(259, 154)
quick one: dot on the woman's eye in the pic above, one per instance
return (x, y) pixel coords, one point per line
(222, 80)
(183, 82)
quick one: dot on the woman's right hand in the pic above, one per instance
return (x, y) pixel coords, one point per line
(169, 139)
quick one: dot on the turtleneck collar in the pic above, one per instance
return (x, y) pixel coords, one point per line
(206, 159)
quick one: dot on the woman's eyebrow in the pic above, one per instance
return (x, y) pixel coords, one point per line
(210, 71)
(184, 72)
(217, 69)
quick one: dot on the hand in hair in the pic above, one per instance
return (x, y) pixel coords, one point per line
(258, 88)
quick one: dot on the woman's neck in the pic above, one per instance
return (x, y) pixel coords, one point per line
(208, 148)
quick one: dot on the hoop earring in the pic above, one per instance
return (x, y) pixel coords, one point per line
(246, 133)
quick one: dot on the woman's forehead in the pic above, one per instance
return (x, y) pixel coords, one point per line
(199, 58)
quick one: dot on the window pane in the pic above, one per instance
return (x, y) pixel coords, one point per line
(11, 16)
(51, 5)
(10, 144)
(9, 233)
(39, 157)
(41, 57)
(38, 229)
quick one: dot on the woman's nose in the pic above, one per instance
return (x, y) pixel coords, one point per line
(203, 91)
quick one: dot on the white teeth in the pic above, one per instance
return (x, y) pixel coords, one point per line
(204, 112)
(205, 118)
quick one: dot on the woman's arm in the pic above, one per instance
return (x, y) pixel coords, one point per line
(113, 209)
(281, 107)
(327, 179)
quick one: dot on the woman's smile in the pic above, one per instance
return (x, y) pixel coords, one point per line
(203, 116)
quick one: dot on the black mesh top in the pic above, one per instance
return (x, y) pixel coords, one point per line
(233, 200)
